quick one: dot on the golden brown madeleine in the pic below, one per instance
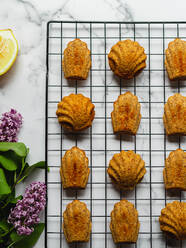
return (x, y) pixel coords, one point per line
(174, 173)
(75, 112)
(124, 223)
(126, 169)
(76, 222)
(127, 59)
(175, 59)
(74, 169)
(126, 115)
(173, 219)
(76, 61)
(174, 117)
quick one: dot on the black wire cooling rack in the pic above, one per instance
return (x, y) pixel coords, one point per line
(152, 88)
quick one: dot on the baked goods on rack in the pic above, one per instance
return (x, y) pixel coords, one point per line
(74, 169)
(175, 59)
(173, 220)
(75, 112)
(76, 61)
(174, 117)
(127, 59)
(76, 222)
(124, 223)
(126, 115)
(174, 173)
(126, 169)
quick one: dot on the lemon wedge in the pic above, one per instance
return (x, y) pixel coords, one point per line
(8, 50)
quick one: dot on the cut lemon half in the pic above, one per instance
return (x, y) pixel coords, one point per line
(8, 50)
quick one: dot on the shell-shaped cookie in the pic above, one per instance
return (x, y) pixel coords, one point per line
(76, 222)
(175, 59)
(126, 115)
(74, 169)
(127, 59)
(126, 169)
(124, 223)
(174, 117)
(75, 112)
(173, 220)
(76, 61)
(174, 173)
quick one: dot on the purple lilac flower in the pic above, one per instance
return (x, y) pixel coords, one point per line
(10, 123)
(26, 212)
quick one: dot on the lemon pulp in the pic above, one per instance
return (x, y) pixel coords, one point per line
(8, 50)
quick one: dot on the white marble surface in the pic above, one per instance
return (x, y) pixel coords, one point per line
(23, 87)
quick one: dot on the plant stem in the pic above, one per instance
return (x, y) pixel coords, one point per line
(18, 179)
(5, 205)
(11, 244)
(11, 229)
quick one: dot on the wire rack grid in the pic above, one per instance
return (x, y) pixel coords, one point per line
(152, 88)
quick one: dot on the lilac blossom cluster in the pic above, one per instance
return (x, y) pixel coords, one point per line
(10, 123)
(26, 212)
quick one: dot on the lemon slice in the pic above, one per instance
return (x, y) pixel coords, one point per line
(8, 50)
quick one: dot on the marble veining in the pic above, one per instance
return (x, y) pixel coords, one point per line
(122, 9)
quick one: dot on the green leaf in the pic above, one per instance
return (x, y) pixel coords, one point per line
(14, 199)
(7, 162)
(9, 177)
(4, 226)
(27, 241)
(9, 202)
(15, 176)
(30, 169)
(17, 147)
(15, 237)
(4, 187)
(23, 165)
(27, 151)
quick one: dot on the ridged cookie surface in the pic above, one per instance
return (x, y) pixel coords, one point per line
(76, 222)
(127, 59)
(126, 115)
(173, 220)
(174, 173)
(175, 59)
(76, 61)
(74, 169)
(174, 117)
(75, 112)
(126, 169)
(124, 223)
